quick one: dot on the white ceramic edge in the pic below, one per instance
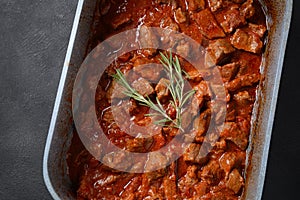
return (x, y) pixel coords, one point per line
(273, 103)
(58, 100)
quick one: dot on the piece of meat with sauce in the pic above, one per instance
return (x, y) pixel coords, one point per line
(150, 72)
(162, 90)
(219, 195)
(172, 3)
(202, 91)
(231, 112)
(218, 51)
(243, 98)
(170, 184)
(196, 5)
(208, 26)
(257, 29)
(115, 90)
(247, 9)
(244, 102)
(188, 181)
(193, 154)
(201, 124)
(214, 5)
(139, 145)
(169, 23)
(183, 49)
(212, 173)
(143, 87)
(148, 40)
(243, 81)
(156, 160)
(247, 40)
(232, 159)
(196, 105)
(230, 18)
(235, 181)
(237, 132)
(121, 20)
(238, 1)
(180, 16)
(229, 71)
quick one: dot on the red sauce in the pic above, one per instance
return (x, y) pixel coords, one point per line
(220, 175)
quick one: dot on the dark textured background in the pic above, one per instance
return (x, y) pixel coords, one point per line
(33, 41)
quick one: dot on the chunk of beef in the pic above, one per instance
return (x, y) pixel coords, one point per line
(201, 123)
(121, 159)
(214, 5)
(121, 114)
(115, 90)
(201, 189)
(172, 3)
(143, 87)
(218, 51)
(237, 132)
(231, 112)
(196, 105)
(257, 29)
(187, 182)
(196, 5)
(246, 40)
(169, 23)
(94, 179)
(183, 49)
(124, 57)
(196, 75)
(202, 91)
(235, 181)
(151, 72)
(193, 154)
(129, 191)
(219, 195)
(243, 98)
(186, 119)
(139, 145)
(229, 71)
(220, 109)
(208, 26)
(238, 1)
(159, 141)
(247, 9)
(212, 173)
(147, 39)
(219, 91)
(180, 16)
(162, 90)
(230, 160)
(230, 18)
(170, 131)
(243, 81)
(170, 184)
(121, 19)
(244, 102)
(156, 160)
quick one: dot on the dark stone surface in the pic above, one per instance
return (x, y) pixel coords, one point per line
(34, 37)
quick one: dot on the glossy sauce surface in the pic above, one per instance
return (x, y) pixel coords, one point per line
(240, 41)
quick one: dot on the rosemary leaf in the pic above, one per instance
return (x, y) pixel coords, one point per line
(176, 87)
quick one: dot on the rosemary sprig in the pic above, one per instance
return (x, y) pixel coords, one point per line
(176, 87)
(177, 83)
